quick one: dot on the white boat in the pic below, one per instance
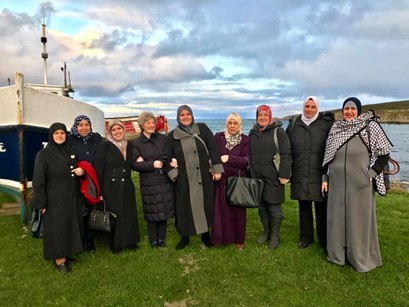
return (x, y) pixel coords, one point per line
(27, 111)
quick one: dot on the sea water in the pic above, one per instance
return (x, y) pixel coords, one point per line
(396, 133)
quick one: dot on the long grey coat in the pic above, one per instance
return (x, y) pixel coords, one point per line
(194, 187)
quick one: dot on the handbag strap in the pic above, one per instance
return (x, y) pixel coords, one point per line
(249, 166)
(204, 144)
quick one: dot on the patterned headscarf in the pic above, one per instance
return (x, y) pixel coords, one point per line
(233, 139)
(304, 118)
(121, 144)
(270, 114)
(74, 130)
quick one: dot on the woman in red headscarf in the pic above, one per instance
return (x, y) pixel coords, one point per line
(263, 149)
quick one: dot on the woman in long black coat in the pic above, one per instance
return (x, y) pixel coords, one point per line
(57, 196)
(198, 165)
(83, 141)
(112, 163)
(263, 150)
(308, 134)
(156, 188)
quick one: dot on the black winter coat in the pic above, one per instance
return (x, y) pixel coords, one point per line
(85, 151)
(57, 190)
(307, 148)
(263, 151)
(156, 188)
(117, 188)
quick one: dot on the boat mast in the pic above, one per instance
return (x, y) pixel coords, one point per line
(44, 54)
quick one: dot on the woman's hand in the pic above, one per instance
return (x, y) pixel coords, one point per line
(217, 176)
(174, 163)
(324, 188)
(283, 180)
(224, 158)
(157, 164)
(78, 171)
(43, 210)
(140, 159)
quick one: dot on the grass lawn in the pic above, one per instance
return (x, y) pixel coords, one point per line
(222, 276)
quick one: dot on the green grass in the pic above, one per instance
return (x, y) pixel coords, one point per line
(221, 276)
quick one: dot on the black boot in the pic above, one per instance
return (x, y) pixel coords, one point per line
(206, 239)
(275, 232)
(183, 242)
(264, 218)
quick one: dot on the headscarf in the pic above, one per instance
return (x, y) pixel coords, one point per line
(180, 109)
(74, 130)
(264, 108)
(353, 102)
(304, 118)
(233, 139)
(121, 144)
(57, 149)
(144, 117)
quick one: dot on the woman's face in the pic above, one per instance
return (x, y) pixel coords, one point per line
(149, 126)
(233, 126)
(117, 132)
(59, 136)
(310, 109)
(349, 113)
(83, 128)
(185, 118)
(263, 118)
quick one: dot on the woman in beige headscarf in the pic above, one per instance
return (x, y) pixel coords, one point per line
(112, 163)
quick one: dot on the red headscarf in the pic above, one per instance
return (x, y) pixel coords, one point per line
(267, 109)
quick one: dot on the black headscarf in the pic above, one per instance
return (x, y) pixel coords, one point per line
(180, 109)
(355, 101)
(58, 149)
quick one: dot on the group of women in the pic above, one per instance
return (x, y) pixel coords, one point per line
(184, 175)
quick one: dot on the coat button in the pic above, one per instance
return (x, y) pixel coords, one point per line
(113, 179)
(71, 167)
(72, 175)
(123, 179)
(200, 183)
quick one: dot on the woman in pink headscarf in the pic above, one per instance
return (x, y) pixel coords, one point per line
(263, 149)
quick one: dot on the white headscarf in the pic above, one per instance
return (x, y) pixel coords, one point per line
(306, 120)
(233, 139)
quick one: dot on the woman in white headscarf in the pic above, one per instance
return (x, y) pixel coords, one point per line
(308, 133)
(112, 163)
(229, 223)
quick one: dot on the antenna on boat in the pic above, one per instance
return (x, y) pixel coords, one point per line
(44, 54)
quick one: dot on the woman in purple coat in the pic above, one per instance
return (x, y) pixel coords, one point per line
(229, 224)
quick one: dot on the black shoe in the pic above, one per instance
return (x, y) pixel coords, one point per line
(183, 242)
(161, 243)
(115, 250)
(303, 245)
(206, 239)
(154, 244)
(63, 267)
(133, 247)
(90, 246)
(69, 260)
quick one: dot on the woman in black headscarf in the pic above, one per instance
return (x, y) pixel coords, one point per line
(356, 152)
(57, 196)
(197, 165)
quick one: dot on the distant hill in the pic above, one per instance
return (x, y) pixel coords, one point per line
(395, 112)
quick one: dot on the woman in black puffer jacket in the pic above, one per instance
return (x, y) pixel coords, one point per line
(308, 133)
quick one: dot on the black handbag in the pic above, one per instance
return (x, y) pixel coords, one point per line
(244, 192)
(101, 220)
(36, 223)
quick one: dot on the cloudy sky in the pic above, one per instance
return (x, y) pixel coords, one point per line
(217, 56)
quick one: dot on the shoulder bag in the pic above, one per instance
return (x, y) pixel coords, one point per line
(243, 191)
(101, 220)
